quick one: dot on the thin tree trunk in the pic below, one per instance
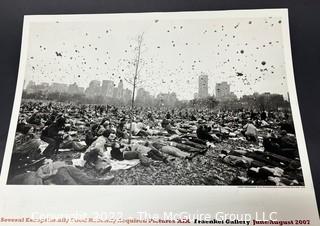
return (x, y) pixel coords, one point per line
(134, 86)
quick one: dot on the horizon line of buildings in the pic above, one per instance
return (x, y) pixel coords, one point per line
(222, 90)
(106, 88)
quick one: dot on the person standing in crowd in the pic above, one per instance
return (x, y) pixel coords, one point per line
(50, 135)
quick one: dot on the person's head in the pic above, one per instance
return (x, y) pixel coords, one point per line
(106, 133)
(115, 145)
(47, 161)
(61, 121)
(67, 128)
(31, 130)
(109, 134)
(112, 136)
(202, 122)
(294, 164)
(127, 148)
(106, 123)
(94, 127)
(147, 144)
(283, 132)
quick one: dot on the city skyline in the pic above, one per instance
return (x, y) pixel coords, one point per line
(105, 88)
(222, 91)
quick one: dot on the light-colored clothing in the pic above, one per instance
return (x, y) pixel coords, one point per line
(251, 130)
(137, 127)
(174, 151)
(98, 144)
(140, 149)
(50, 169)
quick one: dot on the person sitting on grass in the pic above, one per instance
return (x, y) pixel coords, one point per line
(250, 132)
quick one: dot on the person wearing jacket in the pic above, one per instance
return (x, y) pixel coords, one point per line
(50, 135)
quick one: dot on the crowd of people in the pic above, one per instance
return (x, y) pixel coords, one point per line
(63, 143)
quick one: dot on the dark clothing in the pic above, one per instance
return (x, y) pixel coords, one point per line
(288, 126)
(51, 135)
(251, 138)
(116, 153)
(34, 119)
(194, 139)
(142, 133)
(285, 146)
(188, 148)
(193, 118)
(203, 134)
(23, 128)
(156, 155)
(51, 131)
(186, 141)
(52, 148)
(91, 156)
(271, 144)
(120, 130)
(90, 138)
(70, 175)
(165, 123)
(288, 142)
(50, 120)
(263, 115)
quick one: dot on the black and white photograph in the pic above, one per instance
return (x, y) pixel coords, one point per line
(154, 100)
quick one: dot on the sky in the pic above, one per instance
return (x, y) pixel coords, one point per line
(246, 52)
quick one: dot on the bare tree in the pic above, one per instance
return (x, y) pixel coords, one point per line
(136, 79)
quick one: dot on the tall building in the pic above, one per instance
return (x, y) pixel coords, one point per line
(58, 88)
(143, 96)
(141, 93)
(167, 99)
(42, 87)
(31, 87)
(94, 88)
(75, 89)
(115, 93)
(120, 90)
(203, 86)
(223, 92)
(127, 95)
(107, 88)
